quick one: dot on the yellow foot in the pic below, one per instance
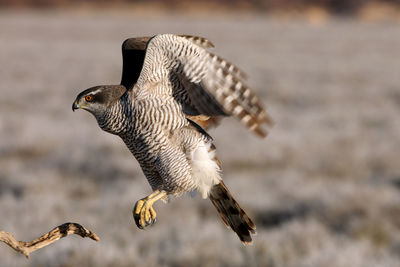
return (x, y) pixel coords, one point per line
(143, 212)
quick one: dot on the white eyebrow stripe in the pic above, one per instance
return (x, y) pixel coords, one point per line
(95, 92)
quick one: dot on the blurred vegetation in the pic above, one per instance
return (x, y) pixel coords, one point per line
(323, 188)
(341, 7)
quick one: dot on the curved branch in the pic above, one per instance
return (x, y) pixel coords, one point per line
(59, 232)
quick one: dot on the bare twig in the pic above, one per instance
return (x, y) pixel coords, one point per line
(59, 232)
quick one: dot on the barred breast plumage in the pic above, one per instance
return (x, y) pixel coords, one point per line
(170, 84)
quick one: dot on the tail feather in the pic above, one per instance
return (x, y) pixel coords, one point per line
(231, 213)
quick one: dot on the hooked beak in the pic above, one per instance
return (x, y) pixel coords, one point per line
(75, 105)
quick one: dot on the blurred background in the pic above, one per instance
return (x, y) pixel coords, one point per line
(323, 188)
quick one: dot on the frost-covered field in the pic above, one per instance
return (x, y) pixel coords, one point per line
(323, 188)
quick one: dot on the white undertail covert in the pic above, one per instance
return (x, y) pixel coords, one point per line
(205, 170)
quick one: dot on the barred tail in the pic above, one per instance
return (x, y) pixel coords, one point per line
(231, 213)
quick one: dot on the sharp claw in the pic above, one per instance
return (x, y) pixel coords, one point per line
(138, 224)
(136, 218)
(150, 221)
(153, 222)
(144, 214)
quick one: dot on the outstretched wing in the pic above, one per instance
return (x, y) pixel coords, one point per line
(202, 82)
(133, 52)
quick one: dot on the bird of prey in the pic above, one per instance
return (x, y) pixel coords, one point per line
(172, 90)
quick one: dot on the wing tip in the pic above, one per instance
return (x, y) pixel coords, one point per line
(201, 41)
(267, 119)
(135, 43)
(258, 130)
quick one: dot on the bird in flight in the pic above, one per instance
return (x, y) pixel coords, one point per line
(172, 90)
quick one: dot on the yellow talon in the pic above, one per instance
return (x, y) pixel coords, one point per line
(139, 206)
(143, 212)
(153, 214)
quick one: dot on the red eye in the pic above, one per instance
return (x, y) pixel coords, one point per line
(88, 98)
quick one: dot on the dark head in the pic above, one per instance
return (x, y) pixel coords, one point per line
(97, 99)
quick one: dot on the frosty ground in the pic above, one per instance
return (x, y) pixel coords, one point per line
(323, 188)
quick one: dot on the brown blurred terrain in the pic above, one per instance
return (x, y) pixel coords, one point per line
(323, 188)
(334, 6)
(363, 8)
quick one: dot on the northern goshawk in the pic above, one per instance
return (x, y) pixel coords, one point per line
(171, 84)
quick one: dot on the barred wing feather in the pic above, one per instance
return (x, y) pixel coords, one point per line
(199, 80)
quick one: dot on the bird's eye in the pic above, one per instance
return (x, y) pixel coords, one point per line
(88, 98)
